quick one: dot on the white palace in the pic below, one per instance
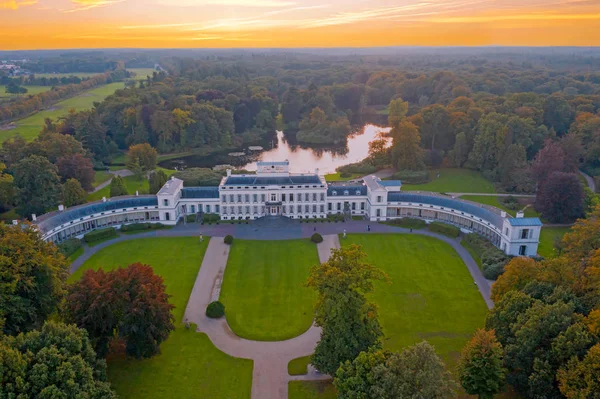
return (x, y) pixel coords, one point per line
(274, 191)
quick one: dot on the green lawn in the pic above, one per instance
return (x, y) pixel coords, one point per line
(299, 366)
(454, 181)
(547, 237)
(311, 390)
(141, 73)
(101, 177)
(431, 295)
(263, 290)
(495, 201)
(189, 366)
(337, 177)
(30, 90)
(31, 126)
(131, 183)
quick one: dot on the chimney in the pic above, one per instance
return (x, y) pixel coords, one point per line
(503, 214)
(317, 171)
(520, 214)
(103, 199)
(61, 208)
(228, 172)
(137, 193)
(33, 217)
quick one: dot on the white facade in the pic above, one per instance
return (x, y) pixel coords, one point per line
(274, 191)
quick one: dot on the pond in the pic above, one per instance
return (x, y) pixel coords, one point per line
(302, 158)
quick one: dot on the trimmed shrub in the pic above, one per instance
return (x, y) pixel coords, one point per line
(511, 203)
(190, 218)
(337, 217)
(228, 239)
(316, 238)
(445, 229)
(215, 310)
(411, 176)
(211, 218)
(101, 234)
(68, 247)
(492, 272)
(408, 223)
(142, 226)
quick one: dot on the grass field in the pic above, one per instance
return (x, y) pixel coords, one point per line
(141, 73)
(100, 177)
(495, 201)
(547, 237)
(189, 366)
(454, 181)
(299, 366)
(30, 90)
(31, 126)
(311, 390)
(337, 177)
(131, 183)
(63, 75)
(431, 295)
(263, 290)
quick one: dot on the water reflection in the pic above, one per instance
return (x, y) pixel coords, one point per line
(302, 159)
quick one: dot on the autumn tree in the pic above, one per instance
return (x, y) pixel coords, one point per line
(141, 158)
(57, 361)
(130, 301)
(406, 151)
(560, 198)
(517, 274)
(379, 152)
(348, 320)
(580, 378)
(548, 160)
(416, 372)
(480, 367)
(37, 185)
(117, 187)
(156, 181)
(78, 167)
(397, 111)
(583, 239)
(73, 193)
(32, 274)
(7, 189)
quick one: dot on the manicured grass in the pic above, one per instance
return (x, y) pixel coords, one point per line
(75, 255)
(431, 295)
(31, 126)
(454, 181)
(474, 253)
(263, 289)
(299, 366)
(337, 177)
(131, 183)
(547, 237)
(189, 366)
(101, 177)
(141, 73)
(495, 201)
(311, 390)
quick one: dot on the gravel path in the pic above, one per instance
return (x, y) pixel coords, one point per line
(590, 181)
(269, 378)
(122, 173)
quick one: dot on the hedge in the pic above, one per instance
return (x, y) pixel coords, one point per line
(491, 259)
(316, 238)
(337, 217)
(445, 229)
(412, 176)
(68, 247)
(228, 239)
(142, 226)
(215, 310)
(211, 217)
(101, 234)
(408, 223)
(363, 168)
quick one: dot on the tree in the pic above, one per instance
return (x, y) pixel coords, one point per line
(131, 301)
(406, 147)
(7, 189)
(141, 157)
(557, 114)
(78, 167)
(561, 198)
(397, 111)
(56, 362)
(37, 184)
(548, 160)
(379, 153)
(73, 193)
(513, 161)
(460, 152)
(117, 187)
(581, 378)
(349, 322)
(517, 274)
(416, 372)
(13, 88)
(32, 274)
(157, 180)
(480, 367)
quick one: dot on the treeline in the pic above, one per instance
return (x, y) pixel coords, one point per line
(75, 62)
(33, 80)
(27, 105)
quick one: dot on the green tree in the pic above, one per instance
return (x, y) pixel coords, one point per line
(416, 372)
(142, 157)
(77, 167)
(406, 147)
(513, 162)
(397, 111)
(56, 362)
(32, 275)
(117, 187)
(581, 378)
(480, 367)
(38, 185)
(157, 180)
(557, 114)
(460, 152)
(7, 188)
(73, 193)
(349, 322)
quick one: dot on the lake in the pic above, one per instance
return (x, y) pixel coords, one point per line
(302, 158)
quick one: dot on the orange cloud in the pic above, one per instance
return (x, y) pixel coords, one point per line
(14, 4)
(82, 5)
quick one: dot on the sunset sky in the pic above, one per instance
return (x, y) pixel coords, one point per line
(42, 24)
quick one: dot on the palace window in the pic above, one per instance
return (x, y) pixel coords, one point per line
(254, 197)
(282, 197)
(224, 198)
(339, 206)
(239, 197)
(291, 197)
(262, 198)
(306, 208)
(230, 197)
(346, 192)
(523, 250)
(322, 196)
(314, 209)
(524, 234)
(299, 208)
(322, 208)
(354, 206)
(379, 198)
(306, 197)
(329, 206)
(166, 203)
(273, 197)
(314, 197)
